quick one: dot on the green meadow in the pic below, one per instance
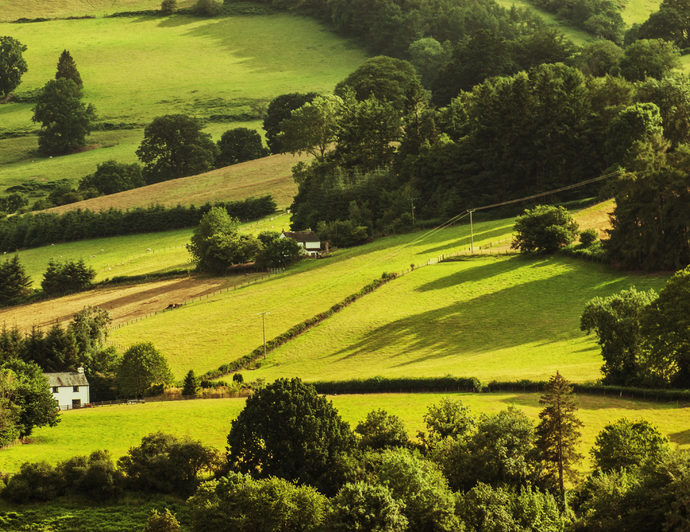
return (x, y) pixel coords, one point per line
(503, 318)
(206, 334)
(131, 254)
(117, 428)
(12, 10)
(223, 70)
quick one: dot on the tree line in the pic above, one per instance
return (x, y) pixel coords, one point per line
(33, 230)
(497, 472)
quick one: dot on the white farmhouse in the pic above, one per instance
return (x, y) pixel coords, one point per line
(70, 389)
(307, 240)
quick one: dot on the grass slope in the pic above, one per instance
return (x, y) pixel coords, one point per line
(12, 10)
(192, 337)
(270, 175)
(131, 254)
(504, 318)
(119, 427)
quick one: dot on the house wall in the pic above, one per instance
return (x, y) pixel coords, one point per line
(65, 395)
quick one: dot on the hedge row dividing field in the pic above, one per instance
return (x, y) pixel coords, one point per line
(119, 427)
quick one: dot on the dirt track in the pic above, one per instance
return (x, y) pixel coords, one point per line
(124, 302)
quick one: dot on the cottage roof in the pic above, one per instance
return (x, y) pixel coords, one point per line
(66, 379)
(302, 236)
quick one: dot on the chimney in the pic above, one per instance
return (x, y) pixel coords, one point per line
(80, 370)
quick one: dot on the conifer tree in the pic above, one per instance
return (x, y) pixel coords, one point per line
(191, 384)
(14, 282)
(67, 68)
(558, 432)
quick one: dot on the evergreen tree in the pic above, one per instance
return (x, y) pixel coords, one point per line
(14, 282)
(558, 432)
(67, 68)
(191, 384)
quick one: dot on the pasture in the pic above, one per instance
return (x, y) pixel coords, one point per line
(119, 427)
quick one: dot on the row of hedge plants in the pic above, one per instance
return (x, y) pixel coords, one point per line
(252, 359)
(33, 230)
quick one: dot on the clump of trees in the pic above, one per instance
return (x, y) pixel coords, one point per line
(70, 276)
(111, 177)
(217, 244)
(544, 229)
(643, 337)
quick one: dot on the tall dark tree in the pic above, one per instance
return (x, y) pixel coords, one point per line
(67, 69)
(191, 384)
(301, 434)
(14, 282)
(558, 432)
(238, 145)
(175, 146)
(278, 110)
(65, 119)
(12, 64)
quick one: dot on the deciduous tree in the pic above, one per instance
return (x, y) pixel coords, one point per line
(544, 228)
(625, 444)
(12, 64)
(238, 145)
(278, 110)
(142, 367)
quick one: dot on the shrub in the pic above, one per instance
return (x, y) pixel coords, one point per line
(166, 464)
(191, 384)
(111, 177)
(34, 482)
(362, 506)
(239, 503)
(207, 8)
(72, 276)
(343, 233)
(164, 521)
(237, 377)
(544, 229)
(588, 237)
(168, 7)
(94, 477)
(277, 252)
(381, 429)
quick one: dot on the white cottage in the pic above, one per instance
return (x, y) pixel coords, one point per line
(70, 389)
(307, 240)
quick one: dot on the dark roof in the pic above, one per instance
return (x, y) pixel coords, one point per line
(302, 236)
(66, 379)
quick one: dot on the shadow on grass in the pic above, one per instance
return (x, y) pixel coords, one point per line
(465, 239)
(681, 438)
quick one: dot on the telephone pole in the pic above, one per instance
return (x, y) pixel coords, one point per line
(263, 328)
(471, 233)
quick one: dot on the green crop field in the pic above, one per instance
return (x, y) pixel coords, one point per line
(131, 254)
(117, 428)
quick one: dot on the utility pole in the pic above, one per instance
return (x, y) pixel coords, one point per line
(471, 234)
(263, 328)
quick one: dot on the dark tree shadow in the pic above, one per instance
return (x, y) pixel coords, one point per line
(681, 438)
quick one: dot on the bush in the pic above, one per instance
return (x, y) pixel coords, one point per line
(111, 177)
(34, 482)
(207, 8)
(94, 477)
(363, 506)
(588, 237)
(191, 384)
(162, 521)
(237, 377)
(381, 429)
(544, 229)
(277, 252)
(343, 233)
(239, 503)
(168, 7)
(166, 464)
(72, 276)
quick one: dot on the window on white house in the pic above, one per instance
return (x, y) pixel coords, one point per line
(75, 388)
(55, 389)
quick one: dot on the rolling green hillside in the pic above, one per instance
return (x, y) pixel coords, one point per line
(119, 427)
(224, 70)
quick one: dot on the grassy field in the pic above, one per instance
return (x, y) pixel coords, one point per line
(119, 427)
(12, 10)
(137, 68)
(131, 254)
(504, 318)
(270, 175)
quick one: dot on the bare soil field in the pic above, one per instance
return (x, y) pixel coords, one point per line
(124, 302)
